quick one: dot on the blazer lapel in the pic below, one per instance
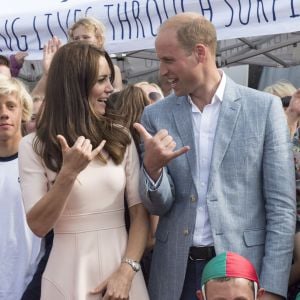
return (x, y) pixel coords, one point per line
(183, 119)
(228, 116)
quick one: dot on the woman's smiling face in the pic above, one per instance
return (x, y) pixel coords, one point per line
(102, 88)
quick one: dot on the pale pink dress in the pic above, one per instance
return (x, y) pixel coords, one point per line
(90, 237)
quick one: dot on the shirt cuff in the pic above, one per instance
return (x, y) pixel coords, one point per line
(153, 186)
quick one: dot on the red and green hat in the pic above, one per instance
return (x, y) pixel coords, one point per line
(229, 264)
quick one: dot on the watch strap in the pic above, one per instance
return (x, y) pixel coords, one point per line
(135, 265)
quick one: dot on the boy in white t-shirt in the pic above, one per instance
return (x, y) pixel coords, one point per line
(19, 247)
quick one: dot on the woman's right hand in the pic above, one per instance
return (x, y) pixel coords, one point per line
(77, 157)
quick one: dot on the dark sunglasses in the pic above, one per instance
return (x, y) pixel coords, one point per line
(286, 101)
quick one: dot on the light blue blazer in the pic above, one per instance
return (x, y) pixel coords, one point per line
(251, 192)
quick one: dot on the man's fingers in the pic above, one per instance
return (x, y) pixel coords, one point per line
(167, 140)
(63, 143)
(144, 134)
(180, 151)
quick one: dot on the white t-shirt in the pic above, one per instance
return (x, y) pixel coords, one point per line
(19, 247)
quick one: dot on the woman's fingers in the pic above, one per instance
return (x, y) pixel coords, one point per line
(81, 145)
(63, 143)
(97, 150)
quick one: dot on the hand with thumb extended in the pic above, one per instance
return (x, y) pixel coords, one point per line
(77, 157)
(159, 150)
(144, 134)
(63, 143)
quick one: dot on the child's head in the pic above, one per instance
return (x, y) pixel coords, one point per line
(13, 86)
(88, 29)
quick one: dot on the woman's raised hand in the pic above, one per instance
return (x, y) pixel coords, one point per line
(77, 157)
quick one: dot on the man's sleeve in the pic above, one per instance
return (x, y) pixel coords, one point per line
(157, 196)
(280, 202)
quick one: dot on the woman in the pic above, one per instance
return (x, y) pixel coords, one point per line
(126, 107)
(290, 98)
(93, 31)
(74, 181)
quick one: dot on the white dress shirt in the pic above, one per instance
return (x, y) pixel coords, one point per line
(204, 125)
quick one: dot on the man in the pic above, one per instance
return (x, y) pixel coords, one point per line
(19, 247)
(217, 168)
(229, 276)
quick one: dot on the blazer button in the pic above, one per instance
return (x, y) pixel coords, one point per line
(185, 232)
(193, 199)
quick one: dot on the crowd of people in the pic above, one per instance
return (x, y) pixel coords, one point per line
(129, 192)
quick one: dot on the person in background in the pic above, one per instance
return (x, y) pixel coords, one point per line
(75, 171)
(92, 30)
(30, 126)
(49, 51)
(217, 168)
(19, 247)
(284, 90)
(229, 276)
(16, 62)
(127, 107)
(86, 29)
(5, 66)
(165, 86)
(290, 98)
(152, 90)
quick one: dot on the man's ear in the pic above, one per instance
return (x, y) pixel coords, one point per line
(260, 293)
(199, 295)
(200, 52)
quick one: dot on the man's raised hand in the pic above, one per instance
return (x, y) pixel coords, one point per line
(159, 150)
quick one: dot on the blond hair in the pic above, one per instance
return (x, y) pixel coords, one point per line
(14, 86)
(153, 84)
(192, 29)
(282, 88)
(92, 25)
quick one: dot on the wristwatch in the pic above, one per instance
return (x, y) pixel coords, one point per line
(133, 264)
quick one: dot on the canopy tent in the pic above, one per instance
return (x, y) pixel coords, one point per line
(278, 50)
(249, 31)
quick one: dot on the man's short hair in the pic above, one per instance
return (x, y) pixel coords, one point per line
(14, 86)
(193, 29)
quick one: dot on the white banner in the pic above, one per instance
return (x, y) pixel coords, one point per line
(26, 25)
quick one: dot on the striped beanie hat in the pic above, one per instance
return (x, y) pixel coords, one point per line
(229, 264)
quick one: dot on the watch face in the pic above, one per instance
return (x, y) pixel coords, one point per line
(136, 266)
